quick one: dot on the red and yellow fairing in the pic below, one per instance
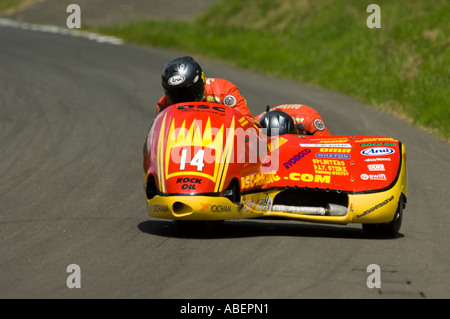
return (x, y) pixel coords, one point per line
(191, 149)
(193, 153)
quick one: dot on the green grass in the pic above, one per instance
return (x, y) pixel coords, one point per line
(401, 68)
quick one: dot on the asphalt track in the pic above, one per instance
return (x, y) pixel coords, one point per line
(74, 114)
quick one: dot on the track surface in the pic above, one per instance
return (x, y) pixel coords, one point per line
(73, 118)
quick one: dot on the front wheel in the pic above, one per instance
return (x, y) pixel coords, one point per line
(389, 229)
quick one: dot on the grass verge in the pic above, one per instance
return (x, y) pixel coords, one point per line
(401, 68)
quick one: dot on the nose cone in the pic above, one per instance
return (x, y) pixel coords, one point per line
(181, 209)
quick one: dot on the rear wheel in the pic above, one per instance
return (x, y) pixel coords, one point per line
(390, 229)
(150, 187)
(233, 192)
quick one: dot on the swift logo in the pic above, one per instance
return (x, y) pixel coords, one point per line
(377, 151)
(373, 177)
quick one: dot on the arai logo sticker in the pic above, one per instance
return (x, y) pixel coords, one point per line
(176, 79)
(377, 151)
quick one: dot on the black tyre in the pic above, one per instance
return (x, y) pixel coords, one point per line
(390, 229)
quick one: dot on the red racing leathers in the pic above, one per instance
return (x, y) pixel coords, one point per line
(219, 91)
(307, 120)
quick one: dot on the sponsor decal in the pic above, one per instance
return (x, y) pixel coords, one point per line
(329, 140)
(376, 139)
(373, 177)
(376, 167)
(376, 207)
(378, 159)
(341, 145)
(309, 178)
(261, 204)
(377, 144)
(250, 202)
(334, 150)
(289, 106)
(328, 162)
(200, 107)
(243, 121)
(377, 151)
(176, 80)
(296, 158)
(189, 183)
(159, 208)
(276, 143)
(213, 99)
(258, 180)
(220, 208)
(189, 180)
(264, 179)
(269, 205)
(330, 167)
(257, 203)
(333, 156)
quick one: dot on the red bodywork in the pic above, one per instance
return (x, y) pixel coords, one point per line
(200, 147)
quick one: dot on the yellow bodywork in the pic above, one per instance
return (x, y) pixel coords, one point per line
(363, 208)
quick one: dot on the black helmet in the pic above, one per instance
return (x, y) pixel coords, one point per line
(278, 120)
(183, 80)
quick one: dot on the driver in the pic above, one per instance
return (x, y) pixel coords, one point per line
(183, 81)
(306, 119)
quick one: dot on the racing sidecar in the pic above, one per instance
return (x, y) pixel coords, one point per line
(206, 162)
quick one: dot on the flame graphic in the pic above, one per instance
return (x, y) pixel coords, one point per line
(198, 138)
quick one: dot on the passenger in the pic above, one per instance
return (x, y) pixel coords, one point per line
(307, 121)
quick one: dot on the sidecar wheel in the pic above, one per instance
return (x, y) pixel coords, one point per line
(389, 229)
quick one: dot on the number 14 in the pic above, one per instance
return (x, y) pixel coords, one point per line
(197, 160)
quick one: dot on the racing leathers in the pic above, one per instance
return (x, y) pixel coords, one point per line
(219, 91)
(307, 119)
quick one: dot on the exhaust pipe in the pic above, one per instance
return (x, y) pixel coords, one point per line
(330, 210)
